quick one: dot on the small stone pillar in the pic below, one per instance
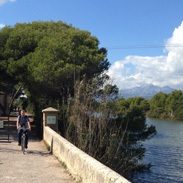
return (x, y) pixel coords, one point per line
(50, 118)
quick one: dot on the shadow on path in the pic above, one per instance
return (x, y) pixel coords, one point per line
(9, 149)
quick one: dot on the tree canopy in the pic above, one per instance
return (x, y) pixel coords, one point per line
(48, 57)
(167, 105)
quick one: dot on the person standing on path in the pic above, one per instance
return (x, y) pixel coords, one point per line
(23, 121)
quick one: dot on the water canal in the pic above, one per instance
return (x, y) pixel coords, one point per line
(165, 152)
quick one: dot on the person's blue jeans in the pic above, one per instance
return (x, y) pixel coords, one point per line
(20, 135)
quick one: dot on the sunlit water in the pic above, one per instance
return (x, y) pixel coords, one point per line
(165, 152)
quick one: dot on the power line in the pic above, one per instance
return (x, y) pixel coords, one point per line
(143, 46)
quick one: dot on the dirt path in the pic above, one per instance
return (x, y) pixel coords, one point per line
(37, 165)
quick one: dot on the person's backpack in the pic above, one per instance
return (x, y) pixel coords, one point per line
(24, 122)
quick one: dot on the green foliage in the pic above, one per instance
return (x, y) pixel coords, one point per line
(112, 131)
(167, 105)
(125, 104)
(51, 49)
(46, 58)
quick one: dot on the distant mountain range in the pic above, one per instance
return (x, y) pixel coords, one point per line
(145, 91)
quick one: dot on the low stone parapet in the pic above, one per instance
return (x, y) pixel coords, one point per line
(82, 167)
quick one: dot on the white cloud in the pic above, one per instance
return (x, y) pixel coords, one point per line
(6, 1)
(161, 70)
(1, 26)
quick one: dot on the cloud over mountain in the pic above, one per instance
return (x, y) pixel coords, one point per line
(146, 91)
(161, 70)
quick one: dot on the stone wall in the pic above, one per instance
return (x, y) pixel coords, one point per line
(82, 167)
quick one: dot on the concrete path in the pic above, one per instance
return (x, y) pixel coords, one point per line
(35, 166)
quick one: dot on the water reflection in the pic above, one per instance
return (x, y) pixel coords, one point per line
(165, 152)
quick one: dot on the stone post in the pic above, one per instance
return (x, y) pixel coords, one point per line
(50, 118)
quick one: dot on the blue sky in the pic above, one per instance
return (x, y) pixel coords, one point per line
(144, 38)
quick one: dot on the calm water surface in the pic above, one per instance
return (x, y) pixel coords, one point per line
(165, 152)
